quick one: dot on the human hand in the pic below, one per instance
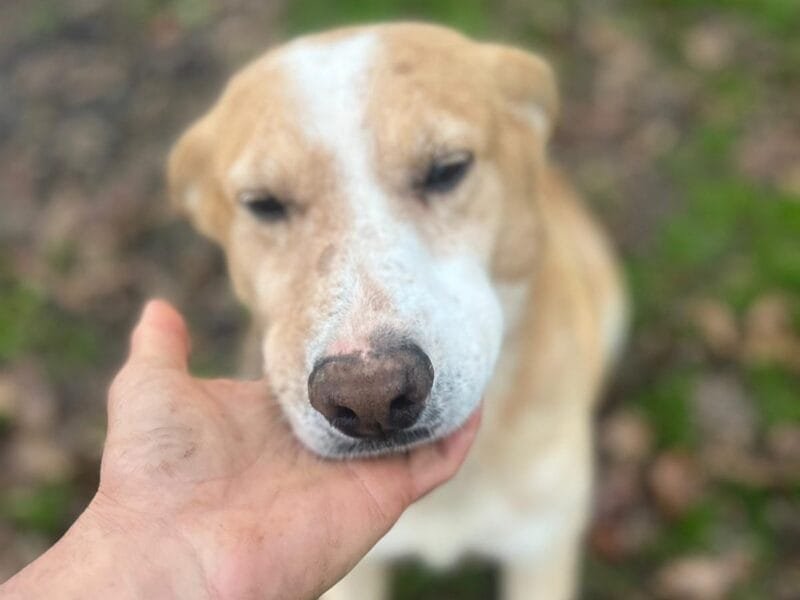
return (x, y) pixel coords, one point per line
(205, 492)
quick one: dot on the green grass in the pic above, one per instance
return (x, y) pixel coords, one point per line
(732, 238)
(470, 582)
(470, 16)
(42, 17)
(5, 424)
(45, 508)
(31, 325)
(189, 13)
(772, 16)
(777, 394)
(692, 532)
(665, 402)
(609, 581)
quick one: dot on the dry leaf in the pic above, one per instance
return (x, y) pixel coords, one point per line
(675, 482)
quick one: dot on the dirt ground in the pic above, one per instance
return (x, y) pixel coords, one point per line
(681, 125)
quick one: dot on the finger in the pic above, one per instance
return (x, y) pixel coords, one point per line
(396, 482)
(434, 464)
(160, 337)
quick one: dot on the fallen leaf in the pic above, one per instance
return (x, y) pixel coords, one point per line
(716, 324)
(36, 459)
(769, 334)
(783, 442)
(710, 46)
(723, 411)
(676, 483)
(626, 437)
(701, 577)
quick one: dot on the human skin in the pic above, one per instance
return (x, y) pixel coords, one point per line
(205, 493)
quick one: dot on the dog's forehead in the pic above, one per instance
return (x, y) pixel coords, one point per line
(330, 81)
(344, 57)
(403, 67)
(361, 93)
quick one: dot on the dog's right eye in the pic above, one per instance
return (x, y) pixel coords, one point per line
(265, 207)
(446, 173)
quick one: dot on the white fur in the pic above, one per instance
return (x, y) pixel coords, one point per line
(537, 118)
(193, 198)
(615, 325)
(491, 522)
(445, 304)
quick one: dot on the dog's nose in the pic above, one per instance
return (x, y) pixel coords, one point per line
(373, 394)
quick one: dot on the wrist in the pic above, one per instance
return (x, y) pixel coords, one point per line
(106, 554)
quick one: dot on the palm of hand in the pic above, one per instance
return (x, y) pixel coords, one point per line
(212, 469)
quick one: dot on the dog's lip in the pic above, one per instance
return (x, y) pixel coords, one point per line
(392, 436)
(404, 436)
(394, 442)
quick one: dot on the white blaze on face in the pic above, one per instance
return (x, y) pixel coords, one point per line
(445, 304)
(331, 82)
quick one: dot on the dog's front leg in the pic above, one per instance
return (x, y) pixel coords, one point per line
(369, 580)
(551, 576)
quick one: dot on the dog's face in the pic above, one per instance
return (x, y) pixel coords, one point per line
(373, 189)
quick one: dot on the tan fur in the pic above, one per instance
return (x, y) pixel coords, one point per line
(517, 211)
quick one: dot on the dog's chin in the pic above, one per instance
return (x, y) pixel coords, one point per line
(347, 447)
(325, 441)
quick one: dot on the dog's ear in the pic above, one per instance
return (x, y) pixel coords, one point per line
(193, 189)
(527, 83)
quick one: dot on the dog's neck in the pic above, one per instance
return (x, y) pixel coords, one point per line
(515, 300)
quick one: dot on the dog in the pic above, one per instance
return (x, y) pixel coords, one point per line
(390, 216)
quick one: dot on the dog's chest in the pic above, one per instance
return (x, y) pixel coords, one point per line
(476, 514)
(504, 504)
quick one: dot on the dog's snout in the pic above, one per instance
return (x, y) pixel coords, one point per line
(373, 394)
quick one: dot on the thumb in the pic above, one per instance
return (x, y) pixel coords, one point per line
(160, 337)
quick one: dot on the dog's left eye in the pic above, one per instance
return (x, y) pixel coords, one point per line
(264, 206)
(446, 173)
